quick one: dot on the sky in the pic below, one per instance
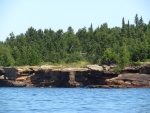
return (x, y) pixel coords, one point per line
(18, 15)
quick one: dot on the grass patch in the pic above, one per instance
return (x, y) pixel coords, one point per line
(138, 63)
(147, 60)
(74, 64)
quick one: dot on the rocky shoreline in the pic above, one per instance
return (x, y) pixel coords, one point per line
(92, 76)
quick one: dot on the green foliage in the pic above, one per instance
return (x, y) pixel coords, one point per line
(6, 58)
(109, 57)
(130, 43)
(138, 63)
(124, 56)
(117, 69)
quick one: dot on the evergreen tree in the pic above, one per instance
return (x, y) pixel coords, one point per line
(101, 45)
(123, 30)
(136, 20)
(129, 33)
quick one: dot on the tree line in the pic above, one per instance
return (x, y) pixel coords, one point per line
(103, 45)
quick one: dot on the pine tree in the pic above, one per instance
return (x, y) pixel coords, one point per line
(136, 21)
(123, 30)
(129, 33)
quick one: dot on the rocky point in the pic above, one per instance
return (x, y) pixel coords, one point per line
(92, 76)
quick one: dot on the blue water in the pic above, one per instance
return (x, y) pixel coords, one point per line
(74, 100)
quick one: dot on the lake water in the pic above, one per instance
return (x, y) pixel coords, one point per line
(74, 100)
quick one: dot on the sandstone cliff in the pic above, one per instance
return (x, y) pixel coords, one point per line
(92, 76)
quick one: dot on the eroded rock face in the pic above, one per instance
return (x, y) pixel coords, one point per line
(12, 83)
(5, 83)
(1, 71)
(133, 69)
(92, 76)
(68, 77)
(49, 78)
(145, 69)
(10, 73)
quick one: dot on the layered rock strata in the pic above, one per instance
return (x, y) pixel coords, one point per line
(92, 76)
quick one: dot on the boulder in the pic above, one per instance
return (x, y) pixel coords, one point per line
(134, 76)
(130, 80)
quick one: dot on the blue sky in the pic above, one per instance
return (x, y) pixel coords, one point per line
(18, 15)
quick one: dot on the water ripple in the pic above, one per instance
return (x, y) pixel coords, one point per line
(74, 100)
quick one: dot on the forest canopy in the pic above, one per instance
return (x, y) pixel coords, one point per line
(103, 45)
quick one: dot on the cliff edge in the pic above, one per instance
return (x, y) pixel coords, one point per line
(92, 76)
